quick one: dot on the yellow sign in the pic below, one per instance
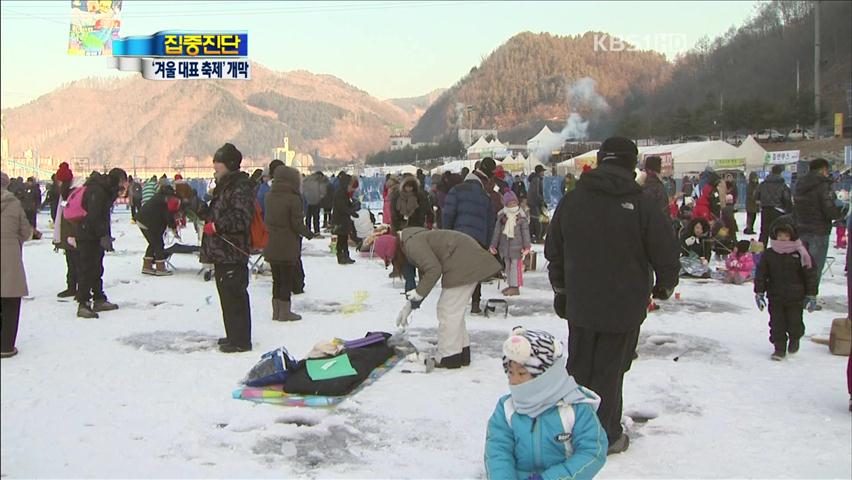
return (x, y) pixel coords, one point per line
(725, 163)
(838, 124)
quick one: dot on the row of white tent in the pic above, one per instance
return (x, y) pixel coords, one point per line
(691, 157)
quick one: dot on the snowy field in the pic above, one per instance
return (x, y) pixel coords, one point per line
(143, 391)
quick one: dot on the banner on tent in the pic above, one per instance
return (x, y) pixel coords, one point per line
(728, 163)
(784, 157)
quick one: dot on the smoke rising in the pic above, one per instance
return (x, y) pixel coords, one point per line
(582, 97)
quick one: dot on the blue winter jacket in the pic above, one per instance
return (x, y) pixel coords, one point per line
(531, 446)
(467, 209)
(261, 195)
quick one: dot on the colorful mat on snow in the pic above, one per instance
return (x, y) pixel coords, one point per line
(275, 394)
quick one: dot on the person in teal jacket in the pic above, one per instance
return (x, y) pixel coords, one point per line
(547, 428)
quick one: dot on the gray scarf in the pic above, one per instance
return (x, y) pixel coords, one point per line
(536, 396)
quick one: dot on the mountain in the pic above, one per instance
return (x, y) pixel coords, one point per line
(746, 79)
(415, 106)
(531, 78)
(119, 119)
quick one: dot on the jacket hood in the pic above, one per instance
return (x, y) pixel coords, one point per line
(610, 179)
(472, 176)
(410, 181)
(102, 181)
(786, 222)
(289, 177)
(811, 181)
(6, 199)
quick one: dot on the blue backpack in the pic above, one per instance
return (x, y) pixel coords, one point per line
(271, 369)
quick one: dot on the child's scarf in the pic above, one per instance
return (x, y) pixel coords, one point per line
(511, 220)
(536, 396)
(793, 246)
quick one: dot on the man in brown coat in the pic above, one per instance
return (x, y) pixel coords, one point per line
(15, 229)
(460, 263)
(283, 219)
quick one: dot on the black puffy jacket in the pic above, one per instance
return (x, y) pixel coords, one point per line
(604, 239)
(815, 209)
(100, 194)
(783, 278)
(155, 215)
(774, 193)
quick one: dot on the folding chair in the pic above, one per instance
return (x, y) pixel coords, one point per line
(829, 261)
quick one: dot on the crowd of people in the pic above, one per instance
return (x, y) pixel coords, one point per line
(463, 230)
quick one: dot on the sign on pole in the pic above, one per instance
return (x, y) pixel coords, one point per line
(784, 157)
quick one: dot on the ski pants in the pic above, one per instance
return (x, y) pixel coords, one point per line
(785, 320)
(598, 361)
(90, 271)
(452, 331)
(232, 283)
(72, 262)
(767, 216)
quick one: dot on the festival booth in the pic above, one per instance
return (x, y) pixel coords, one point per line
(679, 158)
(455, 166)
(520, 164)
(483, 148)
(753, 153)
(392, 169)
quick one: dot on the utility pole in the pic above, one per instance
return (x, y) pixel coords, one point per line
(797, 94)
(816, 72)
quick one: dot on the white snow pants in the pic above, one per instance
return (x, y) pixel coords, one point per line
(452, 331)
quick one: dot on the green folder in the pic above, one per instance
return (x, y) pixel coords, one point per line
(328, 368)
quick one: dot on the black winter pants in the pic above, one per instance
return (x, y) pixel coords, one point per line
(750, 219)
(312, 217)
(156, 247)
(785, 320)
(283, 278)
(72, 262)
(767, 216)
(598, 361)
(232, 284)
(10, 313)
(90, 271)
(299, 278)
(342, 244)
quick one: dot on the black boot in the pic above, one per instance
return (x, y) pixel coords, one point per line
(474, 308)
(453, 361)
(68, 292)
(780, 351)
(793, 346)
(222, 341)
(231, 348)
(103, 305)
(465, 356)
(85, 311)
(619, 445)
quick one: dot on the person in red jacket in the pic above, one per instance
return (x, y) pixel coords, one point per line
(709, 205)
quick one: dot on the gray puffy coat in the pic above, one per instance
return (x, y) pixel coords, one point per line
(511, 247)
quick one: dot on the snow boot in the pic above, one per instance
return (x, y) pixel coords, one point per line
(148, 266)
(465, 356)
(276, 309)
(780, 352)
(231, 348)
(10, 353)
(68, 292)
(451, 362)
(619, 446)
(222, 341)
(474, 308)
(286, 314)
(103, 306)
(793, 346)
(161, 270)
(85, 311)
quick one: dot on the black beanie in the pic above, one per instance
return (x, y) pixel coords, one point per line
(654, 162)
(618, 151)
(229, 155)
(487, 166)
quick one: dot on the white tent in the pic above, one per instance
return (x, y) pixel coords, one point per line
(479, 146)
(687, 157)
(542, 138)
(753, 153)
(394, 169)
(455, 166)
(520, 164)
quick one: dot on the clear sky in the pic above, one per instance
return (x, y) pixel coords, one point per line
(389, 49)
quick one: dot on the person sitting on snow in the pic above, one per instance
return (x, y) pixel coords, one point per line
(695, 249)
(547, 427)
(739, 264)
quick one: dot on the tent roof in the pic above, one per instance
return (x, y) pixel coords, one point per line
(683, 154)
(543, 136)
(752, 152)
(479, 144)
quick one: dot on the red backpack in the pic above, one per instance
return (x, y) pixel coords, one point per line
(259, 237)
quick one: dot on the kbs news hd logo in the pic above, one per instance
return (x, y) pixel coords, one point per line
(179, 55)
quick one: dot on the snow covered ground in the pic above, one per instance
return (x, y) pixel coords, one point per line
(143, 392)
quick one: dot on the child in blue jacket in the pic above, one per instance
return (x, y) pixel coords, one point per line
(547, 427)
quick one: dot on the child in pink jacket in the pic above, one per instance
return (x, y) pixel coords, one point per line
(740, 264)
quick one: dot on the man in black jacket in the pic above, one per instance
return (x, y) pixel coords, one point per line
(815, 211)
(775, 200)
(226, 244)
(605, 239)
(535, 200)
(654, 188)
(94, 238)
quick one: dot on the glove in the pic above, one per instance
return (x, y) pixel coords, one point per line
(559, 301)
(810, 303)
(402, 318)
(492, 250)
(661, 293)
(106, 244)
(210, 229)
(414, 299)
(760, 301)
